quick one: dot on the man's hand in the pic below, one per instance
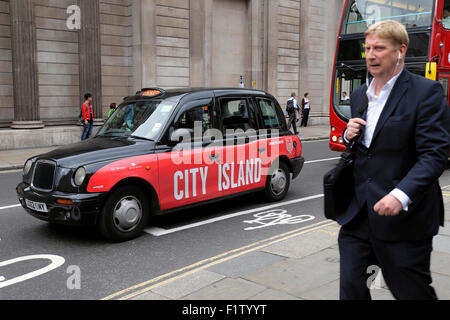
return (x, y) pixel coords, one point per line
(354, 128)
(388, 206)
(85, 121)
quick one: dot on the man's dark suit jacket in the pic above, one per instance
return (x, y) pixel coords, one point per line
(409, 151)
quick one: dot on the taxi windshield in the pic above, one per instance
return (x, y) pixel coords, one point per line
(142, 119)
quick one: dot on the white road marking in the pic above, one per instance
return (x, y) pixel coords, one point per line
(160, 231)
(9, 207)
(11, 171)
(56, 261)
(275, 217)
(322, 160)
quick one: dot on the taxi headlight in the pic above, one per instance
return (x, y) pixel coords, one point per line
(27, 167)
(79, 176)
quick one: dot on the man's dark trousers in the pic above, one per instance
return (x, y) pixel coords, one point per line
(292, 121)
(405, 264)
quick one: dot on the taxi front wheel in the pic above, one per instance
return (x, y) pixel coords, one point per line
(278, 182)
(124, 215)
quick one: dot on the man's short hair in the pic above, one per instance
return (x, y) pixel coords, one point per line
(87, 96)
(389, 29)
(293, 94)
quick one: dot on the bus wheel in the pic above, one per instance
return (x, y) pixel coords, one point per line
(278, 182)
(124, 215)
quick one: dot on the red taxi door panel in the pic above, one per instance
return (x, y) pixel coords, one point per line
(188, 172)
(241, 167)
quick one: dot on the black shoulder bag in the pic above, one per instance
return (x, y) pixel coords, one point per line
(339, 183)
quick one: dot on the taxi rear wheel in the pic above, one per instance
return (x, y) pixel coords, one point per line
(125, 214)
(278, 182)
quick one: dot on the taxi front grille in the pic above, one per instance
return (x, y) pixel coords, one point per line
(43, 176)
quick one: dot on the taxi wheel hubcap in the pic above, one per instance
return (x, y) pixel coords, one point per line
(278, 181)
(127, 214)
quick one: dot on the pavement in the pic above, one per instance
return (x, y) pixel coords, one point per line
(302, 264)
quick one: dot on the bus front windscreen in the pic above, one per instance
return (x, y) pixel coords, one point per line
(360, 14)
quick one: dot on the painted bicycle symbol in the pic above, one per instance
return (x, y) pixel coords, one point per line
(276, 217)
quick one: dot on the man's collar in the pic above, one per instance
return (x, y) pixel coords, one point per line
(390, 83)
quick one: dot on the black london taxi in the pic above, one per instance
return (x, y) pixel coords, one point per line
(164, 150)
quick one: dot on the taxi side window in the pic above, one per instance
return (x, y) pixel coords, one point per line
(271, 118)
(200, 115)
(237, 114)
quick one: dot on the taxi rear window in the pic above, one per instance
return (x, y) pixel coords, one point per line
(271, 117)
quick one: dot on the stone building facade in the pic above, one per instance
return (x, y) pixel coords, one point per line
(47, 62)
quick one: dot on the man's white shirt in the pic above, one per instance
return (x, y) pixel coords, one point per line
(374, 109)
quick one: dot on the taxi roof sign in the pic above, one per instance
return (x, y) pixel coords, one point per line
(151, 92)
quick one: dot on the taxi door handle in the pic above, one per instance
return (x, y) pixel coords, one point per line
(213, 157)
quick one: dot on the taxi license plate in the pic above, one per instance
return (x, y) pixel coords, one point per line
(37, 206)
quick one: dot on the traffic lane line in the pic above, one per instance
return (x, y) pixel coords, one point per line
(322, 160)
(12, 206)
(206, 263)
(160, 231)
(10, 170)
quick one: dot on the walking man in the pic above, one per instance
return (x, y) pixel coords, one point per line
(401, 146)
(88, 116)
(291, 109)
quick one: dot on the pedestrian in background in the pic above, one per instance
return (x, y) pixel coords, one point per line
(87, 112)
(112, 108)
(401, 143)
(291, 109)
(306, 106)
(345, 98)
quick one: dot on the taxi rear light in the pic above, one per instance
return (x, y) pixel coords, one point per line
(64, 201)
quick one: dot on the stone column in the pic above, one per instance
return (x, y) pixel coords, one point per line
(271, 47)
(144, 44)
(256, 17)
(197, 42)
(25, 73)
(90, 56)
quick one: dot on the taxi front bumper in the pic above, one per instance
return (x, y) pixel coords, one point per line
(83, 210)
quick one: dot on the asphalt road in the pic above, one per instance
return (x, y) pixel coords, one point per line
(88, 267)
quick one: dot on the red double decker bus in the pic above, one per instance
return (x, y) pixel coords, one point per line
(428, 26)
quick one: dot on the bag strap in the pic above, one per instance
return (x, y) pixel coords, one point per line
(361, 109)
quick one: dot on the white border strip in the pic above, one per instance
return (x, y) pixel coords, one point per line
(160, 232)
